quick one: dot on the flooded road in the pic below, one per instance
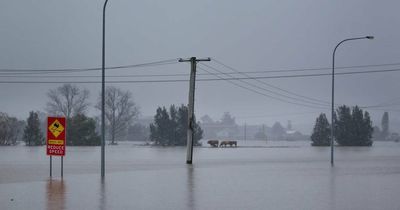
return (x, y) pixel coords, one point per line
(277, 175)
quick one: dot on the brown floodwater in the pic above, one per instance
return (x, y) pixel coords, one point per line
(255, 175)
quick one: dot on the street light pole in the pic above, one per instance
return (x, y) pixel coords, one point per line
(103, 73)
(333, 89)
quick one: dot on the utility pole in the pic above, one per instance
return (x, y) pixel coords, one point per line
(193, 62)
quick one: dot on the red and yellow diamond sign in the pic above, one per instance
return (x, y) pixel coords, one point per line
(56, 129)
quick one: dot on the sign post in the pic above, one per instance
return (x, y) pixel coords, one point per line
(55, 143)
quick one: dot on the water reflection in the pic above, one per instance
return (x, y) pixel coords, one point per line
(190, 183)
(55, 190)
(332, 187)
(102, 194)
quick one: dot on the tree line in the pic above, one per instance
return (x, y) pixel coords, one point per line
(352, 126)
(9, 129)
(167, 129)
(71, 102)
(170, 127)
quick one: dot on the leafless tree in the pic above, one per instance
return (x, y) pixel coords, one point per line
(67, 100)
(120, 110)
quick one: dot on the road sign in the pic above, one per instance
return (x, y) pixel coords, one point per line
(56, 129)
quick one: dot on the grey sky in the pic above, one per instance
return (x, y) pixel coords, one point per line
(247, 35)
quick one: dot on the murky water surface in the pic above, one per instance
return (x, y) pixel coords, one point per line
(256, 175)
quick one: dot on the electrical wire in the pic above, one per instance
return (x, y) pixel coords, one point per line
(10, 72)
(175, 61)
(391, 103)
(325, 68)
(263, 94)
(213, 79)
(265, 89)
(236, 78)
(64, 70)
(273, 86)
(95, 76)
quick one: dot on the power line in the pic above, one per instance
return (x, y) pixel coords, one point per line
(174, 60)
(10, 71)
(95, 76)
(94, 82)
(325, 68)
(205, 80)
(213, 79)
(155, 63)
(265, 89)
(20, 75)
(336, 105)
(273, 86)
(308, 75)
(260, 93)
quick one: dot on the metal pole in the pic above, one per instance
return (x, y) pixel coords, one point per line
(62, 166)
(190, 132)
(333, 103)
(103, 94)
(51, 166)
(333, 92)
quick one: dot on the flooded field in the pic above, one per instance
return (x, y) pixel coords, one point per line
(255, 175)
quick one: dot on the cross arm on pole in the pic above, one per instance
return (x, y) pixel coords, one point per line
(194, 58)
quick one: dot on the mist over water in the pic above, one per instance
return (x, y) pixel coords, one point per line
(256, 175)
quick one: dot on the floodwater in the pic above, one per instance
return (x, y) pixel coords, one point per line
(256, 175)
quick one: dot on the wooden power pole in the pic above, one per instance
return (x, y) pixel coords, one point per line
(193, 61)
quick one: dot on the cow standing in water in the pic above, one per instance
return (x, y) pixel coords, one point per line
(213, 143)
(226, 143)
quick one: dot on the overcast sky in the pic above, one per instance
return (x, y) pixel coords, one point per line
(246, 35)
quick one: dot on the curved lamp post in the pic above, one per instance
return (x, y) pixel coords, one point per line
(333, 88)
(103, 140)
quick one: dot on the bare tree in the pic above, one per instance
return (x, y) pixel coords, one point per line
(120, 110)
(67, 100)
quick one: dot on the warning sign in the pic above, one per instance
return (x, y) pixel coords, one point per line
(56, 130)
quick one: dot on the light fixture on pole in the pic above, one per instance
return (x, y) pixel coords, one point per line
(333, 89)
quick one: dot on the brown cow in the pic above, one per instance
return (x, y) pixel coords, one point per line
(231, 143)
(226, 143)
(223, 143)
(213, 143)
